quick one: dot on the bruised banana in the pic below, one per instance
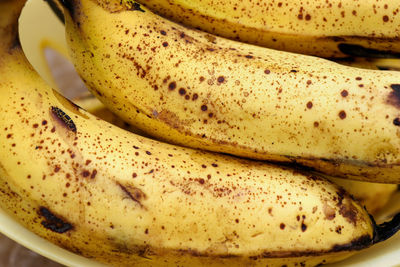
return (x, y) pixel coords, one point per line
(334, 28)
(124, 200)
(373, 196)
(194, 89)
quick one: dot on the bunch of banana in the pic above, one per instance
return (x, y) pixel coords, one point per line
(123, 199)
(195, 89)
(374, 196)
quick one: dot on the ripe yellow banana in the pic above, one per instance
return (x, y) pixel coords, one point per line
(199, 90)
(125, 200)
(374, 196)
(334, 28)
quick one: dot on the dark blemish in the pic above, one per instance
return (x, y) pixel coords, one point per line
(249, 56)
(126, 31)
(88, 162)
(57, 169)
(344, 93)
(360, 51)
(182, 35)
(303, 227)
(308, 17)
(342, 114)
(163, 32)
(394, 96)
(172, 86)
(237, 220)
(146, 231)
(134, 175)
(267, 71)
(300, 16)
(396, 88)
(195, 96)
(165, 44)
(214, 165)
(64, 118)
(201, 181)
(35, 125)
(385, 18)
(203, 166)
(358, 78)
(309, 104)
(282, 226)
(202, 79)
(210, 115)
(44, 122)
(85, 173)
(349, 212)
(135, 147)
(182, 91)
(316, 123)
(204, 108)
(221, 79)
(294, 71)
(133, 193)
(187, 97)
(396, 121)
(52, 222)
(136, 7)
(9, 136)
(148, 152)
(93, 175)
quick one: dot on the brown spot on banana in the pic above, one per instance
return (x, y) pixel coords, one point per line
(53, 222)
(63, 119)
(133, 193)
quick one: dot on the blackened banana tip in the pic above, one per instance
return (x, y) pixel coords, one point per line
(387, 229)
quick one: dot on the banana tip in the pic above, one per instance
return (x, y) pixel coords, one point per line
(387, 229)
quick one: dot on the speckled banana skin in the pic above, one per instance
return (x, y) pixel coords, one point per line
(199, 90)
(333, 28)
(374, 196)
(125, 200)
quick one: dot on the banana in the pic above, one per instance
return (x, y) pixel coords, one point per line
(335, 28)
(124, 200)
(374, 196)
(194, 89)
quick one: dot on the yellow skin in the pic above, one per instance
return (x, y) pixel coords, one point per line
(315, 27)
(123, 199)
(199, 90)
(373, 196)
